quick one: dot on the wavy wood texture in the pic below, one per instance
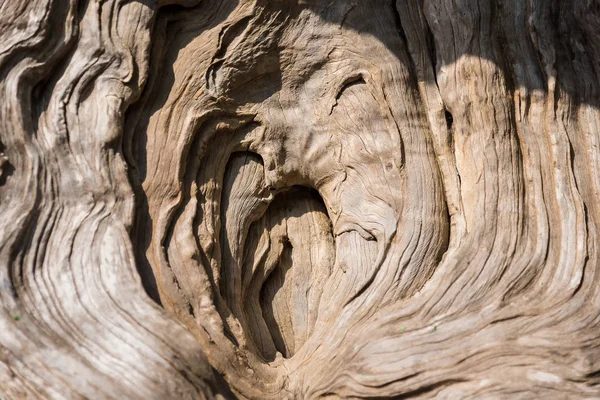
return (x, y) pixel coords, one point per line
(299, 199)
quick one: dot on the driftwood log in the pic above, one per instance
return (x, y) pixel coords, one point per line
(279, 199)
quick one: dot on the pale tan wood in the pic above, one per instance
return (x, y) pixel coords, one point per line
(299, 199)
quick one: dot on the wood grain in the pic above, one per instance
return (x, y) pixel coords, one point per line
(270, 199)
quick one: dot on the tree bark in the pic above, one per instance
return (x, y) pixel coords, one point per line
(271, 199)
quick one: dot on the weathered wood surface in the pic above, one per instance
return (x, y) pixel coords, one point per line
(299, 199)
